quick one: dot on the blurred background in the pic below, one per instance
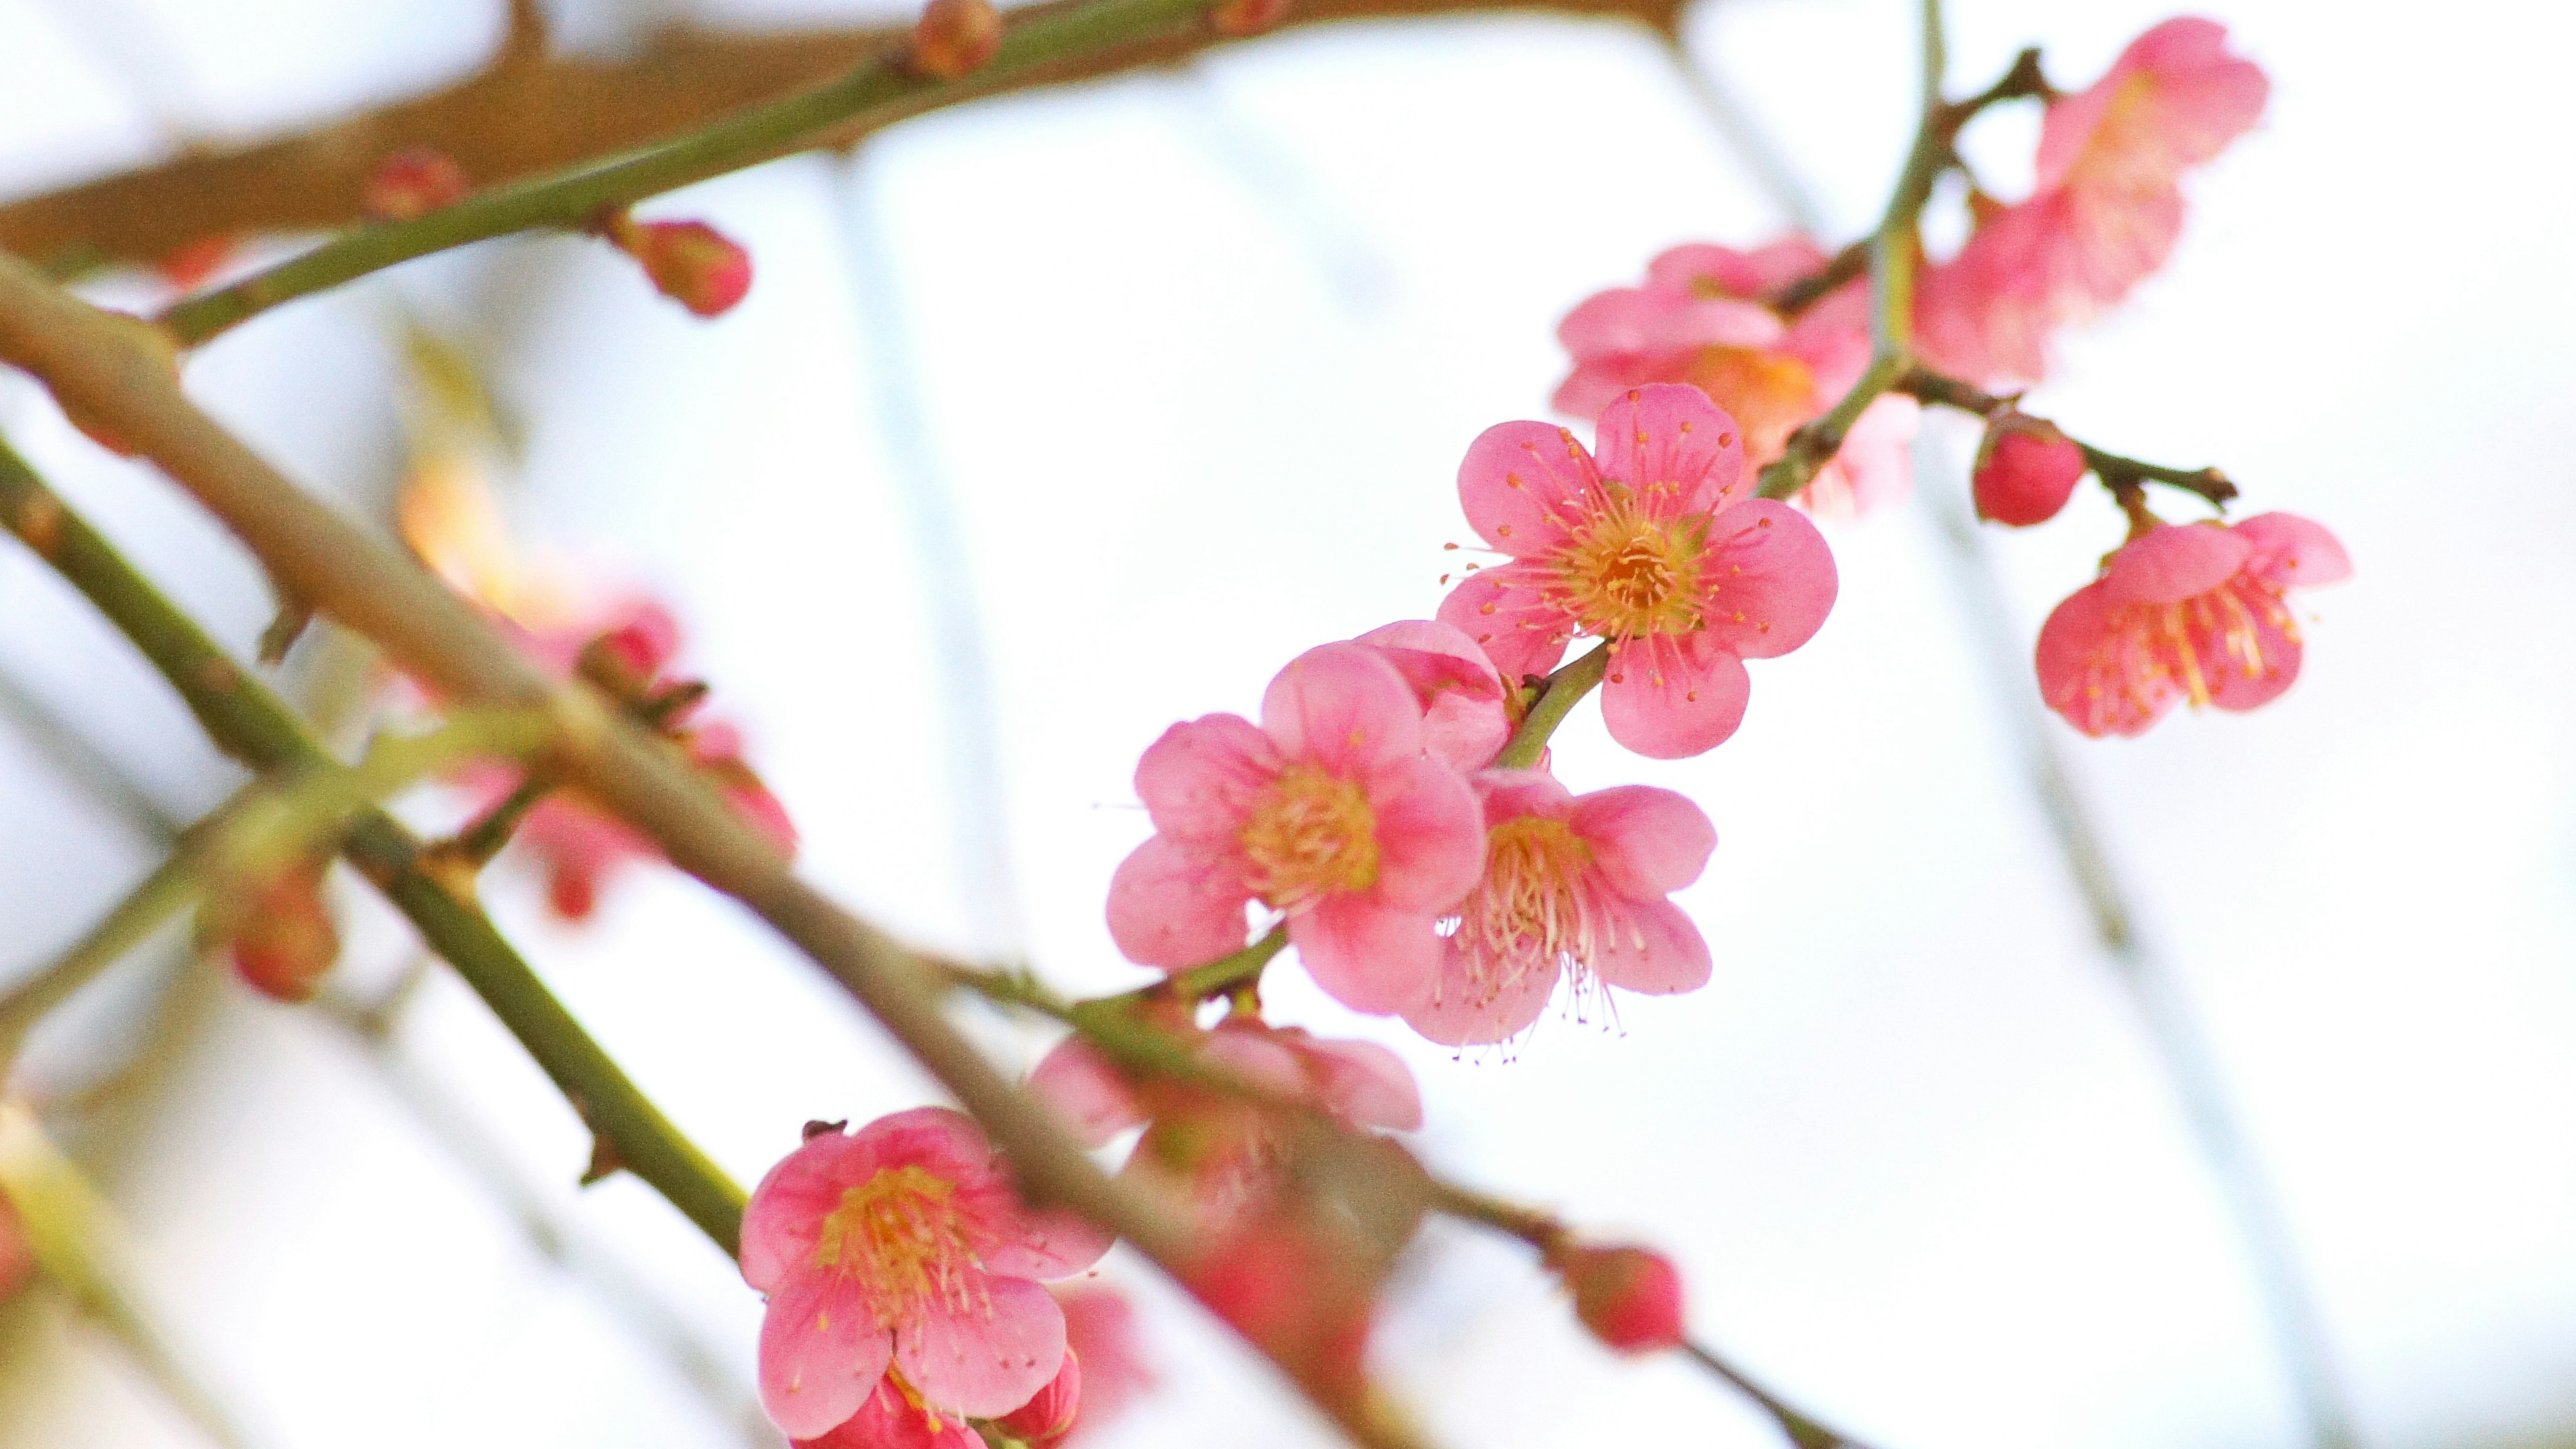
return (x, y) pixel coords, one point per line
(1055, 418)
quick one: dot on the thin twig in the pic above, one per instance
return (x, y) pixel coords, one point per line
(2118, 473)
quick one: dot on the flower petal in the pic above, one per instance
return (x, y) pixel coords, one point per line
(784, 1219)
(1199, 780)
(941, 1141)
(988, 1356)
(1470, 1007)
(1669, 442)
(2174, 562)
(1172, 907)
(1365, 1084)
(1667, 702)
(822, 1353)
(1365, 956)
(1651, 946)
(2293, 551)
(1080, 1086)
(1430, 836)
(1769, 580)
(1646, 842)
(1344, 707)
(1505, 610)
(1463, 717)
(1045, 1243)
(2088, 675)
(2238, 682)
(1519, 479)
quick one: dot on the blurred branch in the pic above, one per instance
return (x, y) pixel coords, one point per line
(101, 368)
(128, 924)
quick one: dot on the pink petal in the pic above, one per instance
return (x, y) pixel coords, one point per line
(942, 1141)
(1430, 837)
(1755, 274)
(1505, 611)
(1518, 479)
(2174, 562)
(1508, 794)
(988, 1357)
(1668, 441)
(1366, 1085)
(2293, 551)
(2233, 685)
(1875, 465)
(1343, 707)
(1652, 947)
(1079, 1085)
(1463, 718)
(2081, 675)
(1619, 320)
(1646, 842)
(1199, 780)
(1045, 1243)
(1174, 908)
(821, 1353)
(1364, 956)
(784, 1219)
(1464, 1011)
(2196, 99)
(1596, 382)
(1668, 702)
(1258, 1054)
(1769, 580)
(886, 1421)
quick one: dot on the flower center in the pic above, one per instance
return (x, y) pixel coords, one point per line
(903, 1235)
(1530, 912)
(1311, 833)
(2187, 641)
(1623, 574)
(1769, 393)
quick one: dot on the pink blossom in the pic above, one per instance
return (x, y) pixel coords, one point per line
(2106, 208)
(689, 262)
(1329, 812)
(1656, 547)
(903, 1246)
(2026, 470)
(1100, 1327)
(1575, 887)
(2197, 611)
(1704, 318)
(1051, 1415)
(1631, 1298)
(1466, 715)
(279, 928)
(890, 1420)
(412, 183)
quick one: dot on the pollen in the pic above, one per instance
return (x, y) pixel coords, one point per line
(1624, 573)
(907, 1241)
(1531, 914)
(1310, 834)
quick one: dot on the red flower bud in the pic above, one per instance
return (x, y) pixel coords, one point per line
(414, 182)
(191, 263)
(954, 38)
(1239, 18)
(2026, 470)
(279, 929)
(1630, 1298)
(690, 262)
(1051, 1414)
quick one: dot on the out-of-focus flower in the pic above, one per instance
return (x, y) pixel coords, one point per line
(904, 1245)
(2105, 210)
(1466, 710)
(1655, 547)
(1574, 887)
(2194, 612)
(1051, 1415)
(689, 262)
(1240, 18)
(1100, 1329)
(412, 183)
(276, 926)
(891, 1420)
(2026, 470)
(1277, 1282)
(1328, 811)
(955, 38)
(187, 267)
(1631, 1298)
(1704, 317)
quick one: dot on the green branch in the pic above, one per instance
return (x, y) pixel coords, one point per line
(2121, 474)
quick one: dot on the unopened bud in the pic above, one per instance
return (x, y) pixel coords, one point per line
(278, 929)
(1630, 1298)
(955, 38)
(1050, 1415)
(412, 183)
(1239, 18)
(2026, 470)
(187, 266)
(690, 262)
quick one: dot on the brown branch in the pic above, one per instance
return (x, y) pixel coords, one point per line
(528, 113)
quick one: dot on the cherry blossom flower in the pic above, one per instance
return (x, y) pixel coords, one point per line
(2194, 612)
(1100, 1328)
(2026, 470)
(1704, 318)
(1631, 1298)
(1574, 887)
(1220, 1153)
(1656, 547)
(903, 1246)
(1466, 710)
(1329, 812)
(2105, 209)
(891, 1420)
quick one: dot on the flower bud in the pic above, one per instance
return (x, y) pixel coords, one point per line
(412, 183)
(1239, 18)
(2026, 470)
(1050, 1415)
(690, 262)
(278, 928)
(188, 265)
(1631, 1298)
(954, 38)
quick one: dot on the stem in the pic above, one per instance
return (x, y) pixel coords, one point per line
(1564, 689)
(252, 724)
(1227, 972)
(2122, 475)
(878, 90)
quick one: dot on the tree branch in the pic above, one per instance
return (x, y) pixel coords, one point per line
(530, 112)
